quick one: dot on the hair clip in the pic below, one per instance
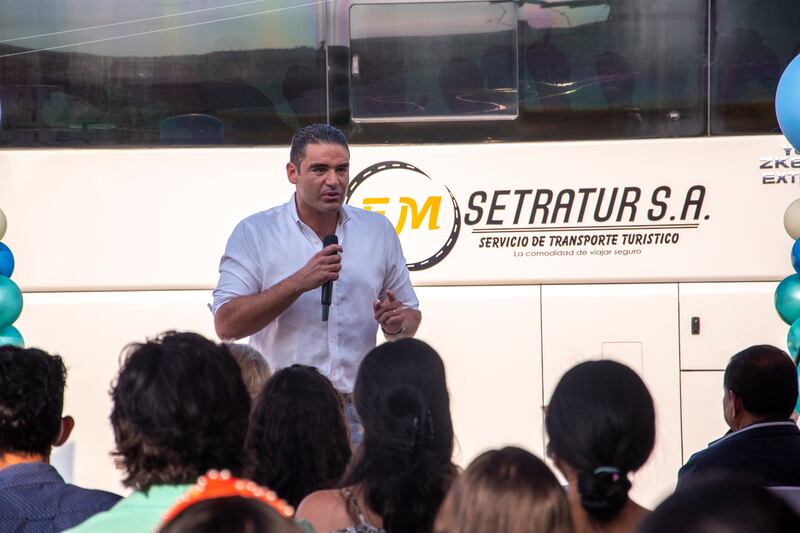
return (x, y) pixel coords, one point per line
(614, 471)
(221, 484)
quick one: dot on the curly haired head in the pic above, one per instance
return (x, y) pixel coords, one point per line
(298, 434)
(31, 400)
(180, 409)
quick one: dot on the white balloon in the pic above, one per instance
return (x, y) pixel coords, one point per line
(3, 223)
(791, 220)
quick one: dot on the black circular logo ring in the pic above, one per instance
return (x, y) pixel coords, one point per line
(454, 231)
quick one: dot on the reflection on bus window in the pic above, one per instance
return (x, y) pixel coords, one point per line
(433, 61)
(613, 69)
(104, 73)
(752, 45)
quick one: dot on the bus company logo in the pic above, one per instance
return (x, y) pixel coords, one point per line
(424, 212)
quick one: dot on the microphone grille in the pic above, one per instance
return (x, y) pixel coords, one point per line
(330, 239)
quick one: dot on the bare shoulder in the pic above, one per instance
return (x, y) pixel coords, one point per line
(325, 510)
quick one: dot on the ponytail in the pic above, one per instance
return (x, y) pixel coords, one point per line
(604, 491)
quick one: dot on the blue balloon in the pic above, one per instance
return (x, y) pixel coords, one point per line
(6, 261)
(787, 299)
(10, 302)
(11, 336)
(787, 103)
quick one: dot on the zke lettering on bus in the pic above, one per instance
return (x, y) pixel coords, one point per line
(547, 206)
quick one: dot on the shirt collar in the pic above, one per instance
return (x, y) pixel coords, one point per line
(344, 214)
(773, 423)
(27, 473)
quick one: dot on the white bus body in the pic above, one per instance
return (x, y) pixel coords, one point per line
(661, 253)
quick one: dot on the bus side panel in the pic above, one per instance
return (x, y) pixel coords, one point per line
(89, 330)
(489, 338)
(730, 317)
(638, 326)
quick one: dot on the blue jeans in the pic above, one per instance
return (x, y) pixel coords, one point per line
(353, 422)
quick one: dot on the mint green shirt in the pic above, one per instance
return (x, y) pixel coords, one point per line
(138, 513)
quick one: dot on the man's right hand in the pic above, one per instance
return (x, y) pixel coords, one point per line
(323, 266)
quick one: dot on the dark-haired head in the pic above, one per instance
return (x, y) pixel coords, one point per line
(298, 434)
(31, 400)
(232, 514)
(601, 426)
(764, 380)
(404, 461)
(180, 409)
(508, 490)
(314, 134)
(722, 505)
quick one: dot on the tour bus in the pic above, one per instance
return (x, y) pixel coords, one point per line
(570, 179)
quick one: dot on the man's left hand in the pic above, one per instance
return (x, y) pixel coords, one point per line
(389, 314)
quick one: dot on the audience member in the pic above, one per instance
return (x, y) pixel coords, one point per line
(722, 506)
(402, 469)
(255, 369)
(180, 408)
(601, 425)
(221, 503)
(505, 491)
(763, 444)
(298, 434)
(33, 496)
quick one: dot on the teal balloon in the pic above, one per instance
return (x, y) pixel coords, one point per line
(7, 261)
(793, 339)
(787, 299)
(797, 405)
(10, 302)
(11, 336)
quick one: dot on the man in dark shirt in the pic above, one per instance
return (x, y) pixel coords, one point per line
(33, 496)
(763, 445)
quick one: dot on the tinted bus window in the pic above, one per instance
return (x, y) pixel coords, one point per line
(159, 72)
(436, 61)
(581, 70)
(752, 43)
(615, 69)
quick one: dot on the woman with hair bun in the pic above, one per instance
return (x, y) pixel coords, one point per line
(402, 469)
(601, 425)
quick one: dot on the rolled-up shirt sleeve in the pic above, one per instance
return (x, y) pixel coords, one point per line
(239, 269)
(397, 277)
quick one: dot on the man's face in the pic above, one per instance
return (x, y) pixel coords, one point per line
(321, 179)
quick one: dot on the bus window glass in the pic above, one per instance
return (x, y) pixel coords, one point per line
(433, 61)
(159, 72)
(613, 69)
(752, 42)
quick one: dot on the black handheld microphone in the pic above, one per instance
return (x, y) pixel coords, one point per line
(327, 287)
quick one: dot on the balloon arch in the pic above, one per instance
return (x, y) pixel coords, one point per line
(10, 295)
(787, 295)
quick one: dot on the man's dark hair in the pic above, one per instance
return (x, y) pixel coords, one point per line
(180, 409)
(764, 378)
(722, 505)
(314, 134)
(298, 434)
(31, 400)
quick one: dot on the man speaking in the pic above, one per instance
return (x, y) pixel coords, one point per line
(275, 265)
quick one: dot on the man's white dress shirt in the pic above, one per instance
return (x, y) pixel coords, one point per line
(269, 246)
